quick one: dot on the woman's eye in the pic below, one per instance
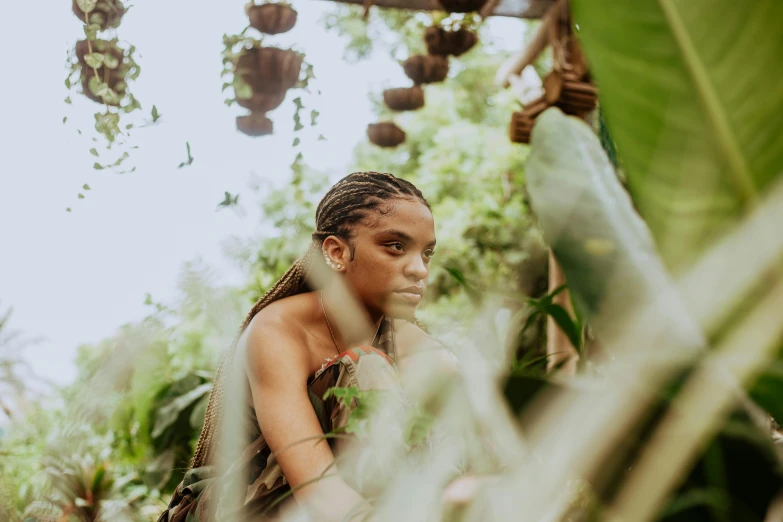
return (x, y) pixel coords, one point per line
(396, 246)
(429, 253)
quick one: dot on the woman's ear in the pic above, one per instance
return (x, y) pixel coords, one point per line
(336, 253)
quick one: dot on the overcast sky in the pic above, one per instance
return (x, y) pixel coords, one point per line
(73, 278)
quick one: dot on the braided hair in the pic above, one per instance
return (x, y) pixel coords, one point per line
(344, 206)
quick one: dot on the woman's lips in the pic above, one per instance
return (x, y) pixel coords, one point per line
(410, 297)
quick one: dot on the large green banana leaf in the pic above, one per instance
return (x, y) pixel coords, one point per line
(692, 91)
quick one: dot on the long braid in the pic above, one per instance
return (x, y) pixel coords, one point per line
(346, 204)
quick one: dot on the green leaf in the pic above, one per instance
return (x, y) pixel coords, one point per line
(693, 103)
(168, 414)
(242, 90)
(321, 137)
(91, 31)
(97, 166)
(86, 186)
(86, 6)
(93, 151)
(298, 103)
(94, 60)
(111, 61)
(65, 118)
(155, 114)
(296, 142)
(68, 100)
(472, 293)
(68, 209)
(80, 196)
(313, 117)
(603, 246)
(68, 83)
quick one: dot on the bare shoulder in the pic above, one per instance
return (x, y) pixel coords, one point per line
(411, 337)
(413, 341)
(274, 345)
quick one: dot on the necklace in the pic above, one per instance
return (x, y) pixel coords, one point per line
(326, 317)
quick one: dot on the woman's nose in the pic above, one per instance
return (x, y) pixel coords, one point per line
(416, 268)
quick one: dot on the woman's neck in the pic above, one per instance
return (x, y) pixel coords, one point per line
(351, 323)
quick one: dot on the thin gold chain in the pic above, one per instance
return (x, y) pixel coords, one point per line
(323, 309)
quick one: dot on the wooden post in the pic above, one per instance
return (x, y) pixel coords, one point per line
(559, 349)
(509, 8)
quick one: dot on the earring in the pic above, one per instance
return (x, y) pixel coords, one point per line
(339, 266)
(329, 262)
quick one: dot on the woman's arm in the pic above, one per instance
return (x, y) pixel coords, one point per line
(278, 368)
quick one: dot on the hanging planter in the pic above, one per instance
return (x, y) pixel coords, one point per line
(103, 71)
(272, 18)
(107, 14)
(443, 42)
(572, 95)
(425, 68)
(462, 6)
(385, 134)
(404, 99)
(522, 121)
(254, 124)
(261, 101)
(268, 69)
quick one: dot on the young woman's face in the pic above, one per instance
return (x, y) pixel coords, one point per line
(391, 260)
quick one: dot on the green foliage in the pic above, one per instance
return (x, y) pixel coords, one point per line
(187, 162)
(700, 145)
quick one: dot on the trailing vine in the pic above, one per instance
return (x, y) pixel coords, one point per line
(104, 68)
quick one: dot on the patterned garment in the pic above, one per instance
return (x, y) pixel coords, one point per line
(202, 497)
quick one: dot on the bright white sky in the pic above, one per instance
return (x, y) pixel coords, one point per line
(73, 278)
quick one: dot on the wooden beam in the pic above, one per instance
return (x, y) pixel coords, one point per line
(510, 8)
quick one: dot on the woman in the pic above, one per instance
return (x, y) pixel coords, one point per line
(374, 240)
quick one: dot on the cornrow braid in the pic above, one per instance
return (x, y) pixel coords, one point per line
(350, 201)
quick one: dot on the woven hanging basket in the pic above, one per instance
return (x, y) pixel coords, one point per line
(443, 42)
(269, 69)
(426, 68)
(571, 95)
(404, 99)
(272, 18)
(462, 6)
(114, 77)
(254, 124)
(385, 134)
(107, 13)
(522, 121)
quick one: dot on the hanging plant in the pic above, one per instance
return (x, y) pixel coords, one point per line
(404, 99)
(462, 6)
(261, 78)
(572, 95)
(267, 70)
(104, 68)
(522, 121)
(426, 68)
(271, 18)
(385, 134)
(106, 14)
(446, 42)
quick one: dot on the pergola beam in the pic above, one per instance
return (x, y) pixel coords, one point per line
(511, 8)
